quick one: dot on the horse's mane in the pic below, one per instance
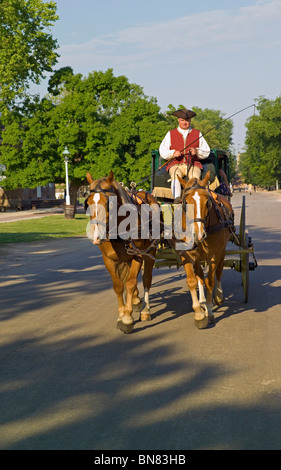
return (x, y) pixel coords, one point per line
(121, 192)
(194, 183)
(124, 196)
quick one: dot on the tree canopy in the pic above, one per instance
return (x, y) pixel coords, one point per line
(27, 48)
(105, 121)
(261, 161)
(216, 129)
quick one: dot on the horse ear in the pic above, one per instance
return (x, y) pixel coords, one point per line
(110, 177)
(182, 181)
(204, 182)
(89, 178)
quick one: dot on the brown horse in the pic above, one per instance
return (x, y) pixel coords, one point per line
(123, 254)
(211, 230)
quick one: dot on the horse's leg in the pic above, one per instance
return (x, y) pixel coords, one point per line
(131, 286)
(136, 300)
(200, 317)
(210, 284)
(118, 284)
(147, 280)
(200, 279)
(119, 274)
(218, 294)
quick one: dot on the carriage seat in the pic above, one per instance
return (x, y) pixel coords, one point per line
(162, 180)
(163, 193)
(162, 185)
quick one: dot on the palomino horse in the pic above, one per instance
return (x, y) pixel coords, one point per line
(211, 231)
(122, 257)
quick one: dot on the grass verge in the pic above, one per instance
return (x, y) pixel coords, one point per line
(30, 230)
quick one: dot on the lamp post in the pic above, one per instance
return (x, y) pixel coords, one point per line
(65, 155)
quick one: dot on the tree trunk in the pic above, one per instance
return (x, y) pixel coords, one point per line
(73, 189)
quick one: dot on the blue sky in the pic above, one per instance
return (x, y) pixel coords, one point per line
(218, 54)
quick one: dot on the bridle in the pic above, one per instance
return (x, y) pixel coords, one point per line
(225, 220)
(186, 192)
(130, 246)
(107, 192)
(98, 189)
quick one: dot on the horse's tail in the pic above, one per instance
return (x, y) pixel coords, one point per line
(122, 272)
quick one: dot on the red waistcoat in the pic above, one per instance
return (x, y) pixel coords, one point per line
(179, 143)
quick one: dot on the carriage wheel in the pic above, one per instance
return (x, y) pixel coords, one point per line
(242, 219)
(244, 257)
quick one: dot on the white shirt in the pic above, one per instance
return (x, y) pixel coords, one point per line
(166, 152)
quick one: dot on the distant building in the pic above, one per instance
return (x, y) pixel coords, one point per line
(23, 198)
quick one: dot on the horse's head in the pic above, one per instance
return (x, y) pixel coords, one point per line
(97, 205)
(196, 196)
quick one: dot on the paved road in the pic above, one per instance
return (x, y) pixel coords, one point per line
(71, 380)
(14, 216)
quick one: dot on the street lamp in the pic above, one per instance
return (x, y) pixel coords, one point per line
(65, 155)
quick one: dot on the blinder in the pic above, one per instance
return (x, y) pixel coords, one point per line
(186, 192)
(98, 189)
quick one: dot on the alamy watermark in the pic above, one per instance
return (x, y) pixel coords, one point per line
(150, 223)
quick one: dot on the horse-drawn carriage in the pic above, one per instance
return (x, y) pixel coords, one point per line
(199, 246)
(166, 254)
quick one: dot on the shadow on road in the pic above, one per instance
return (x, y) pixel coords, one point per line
(67, 386)
(83, 394)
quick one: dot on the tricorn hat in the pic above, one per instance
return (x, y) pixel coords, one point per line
(184, 114)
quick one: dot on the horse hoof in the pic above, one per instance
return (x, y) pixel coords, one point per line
(145, 317)
(211, 319)
(218, 296)
(201, 324)
(218, 300)
(125, 328)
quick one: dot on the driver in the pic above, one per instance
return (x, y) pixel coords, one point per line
(187, 146)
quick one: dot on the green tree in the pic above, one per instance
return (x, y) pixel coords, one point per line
(215, 127)
(106, 122)
(261, 161)
(27, 48)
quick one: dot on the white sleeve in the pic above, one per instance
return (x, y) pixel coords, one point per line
(204, 150)
(164, 149)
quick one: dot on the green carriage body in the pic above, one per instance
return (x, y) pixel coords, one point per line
(218, 159)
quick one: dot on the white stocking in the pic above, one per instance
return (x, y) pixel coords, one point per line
(176, 188)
